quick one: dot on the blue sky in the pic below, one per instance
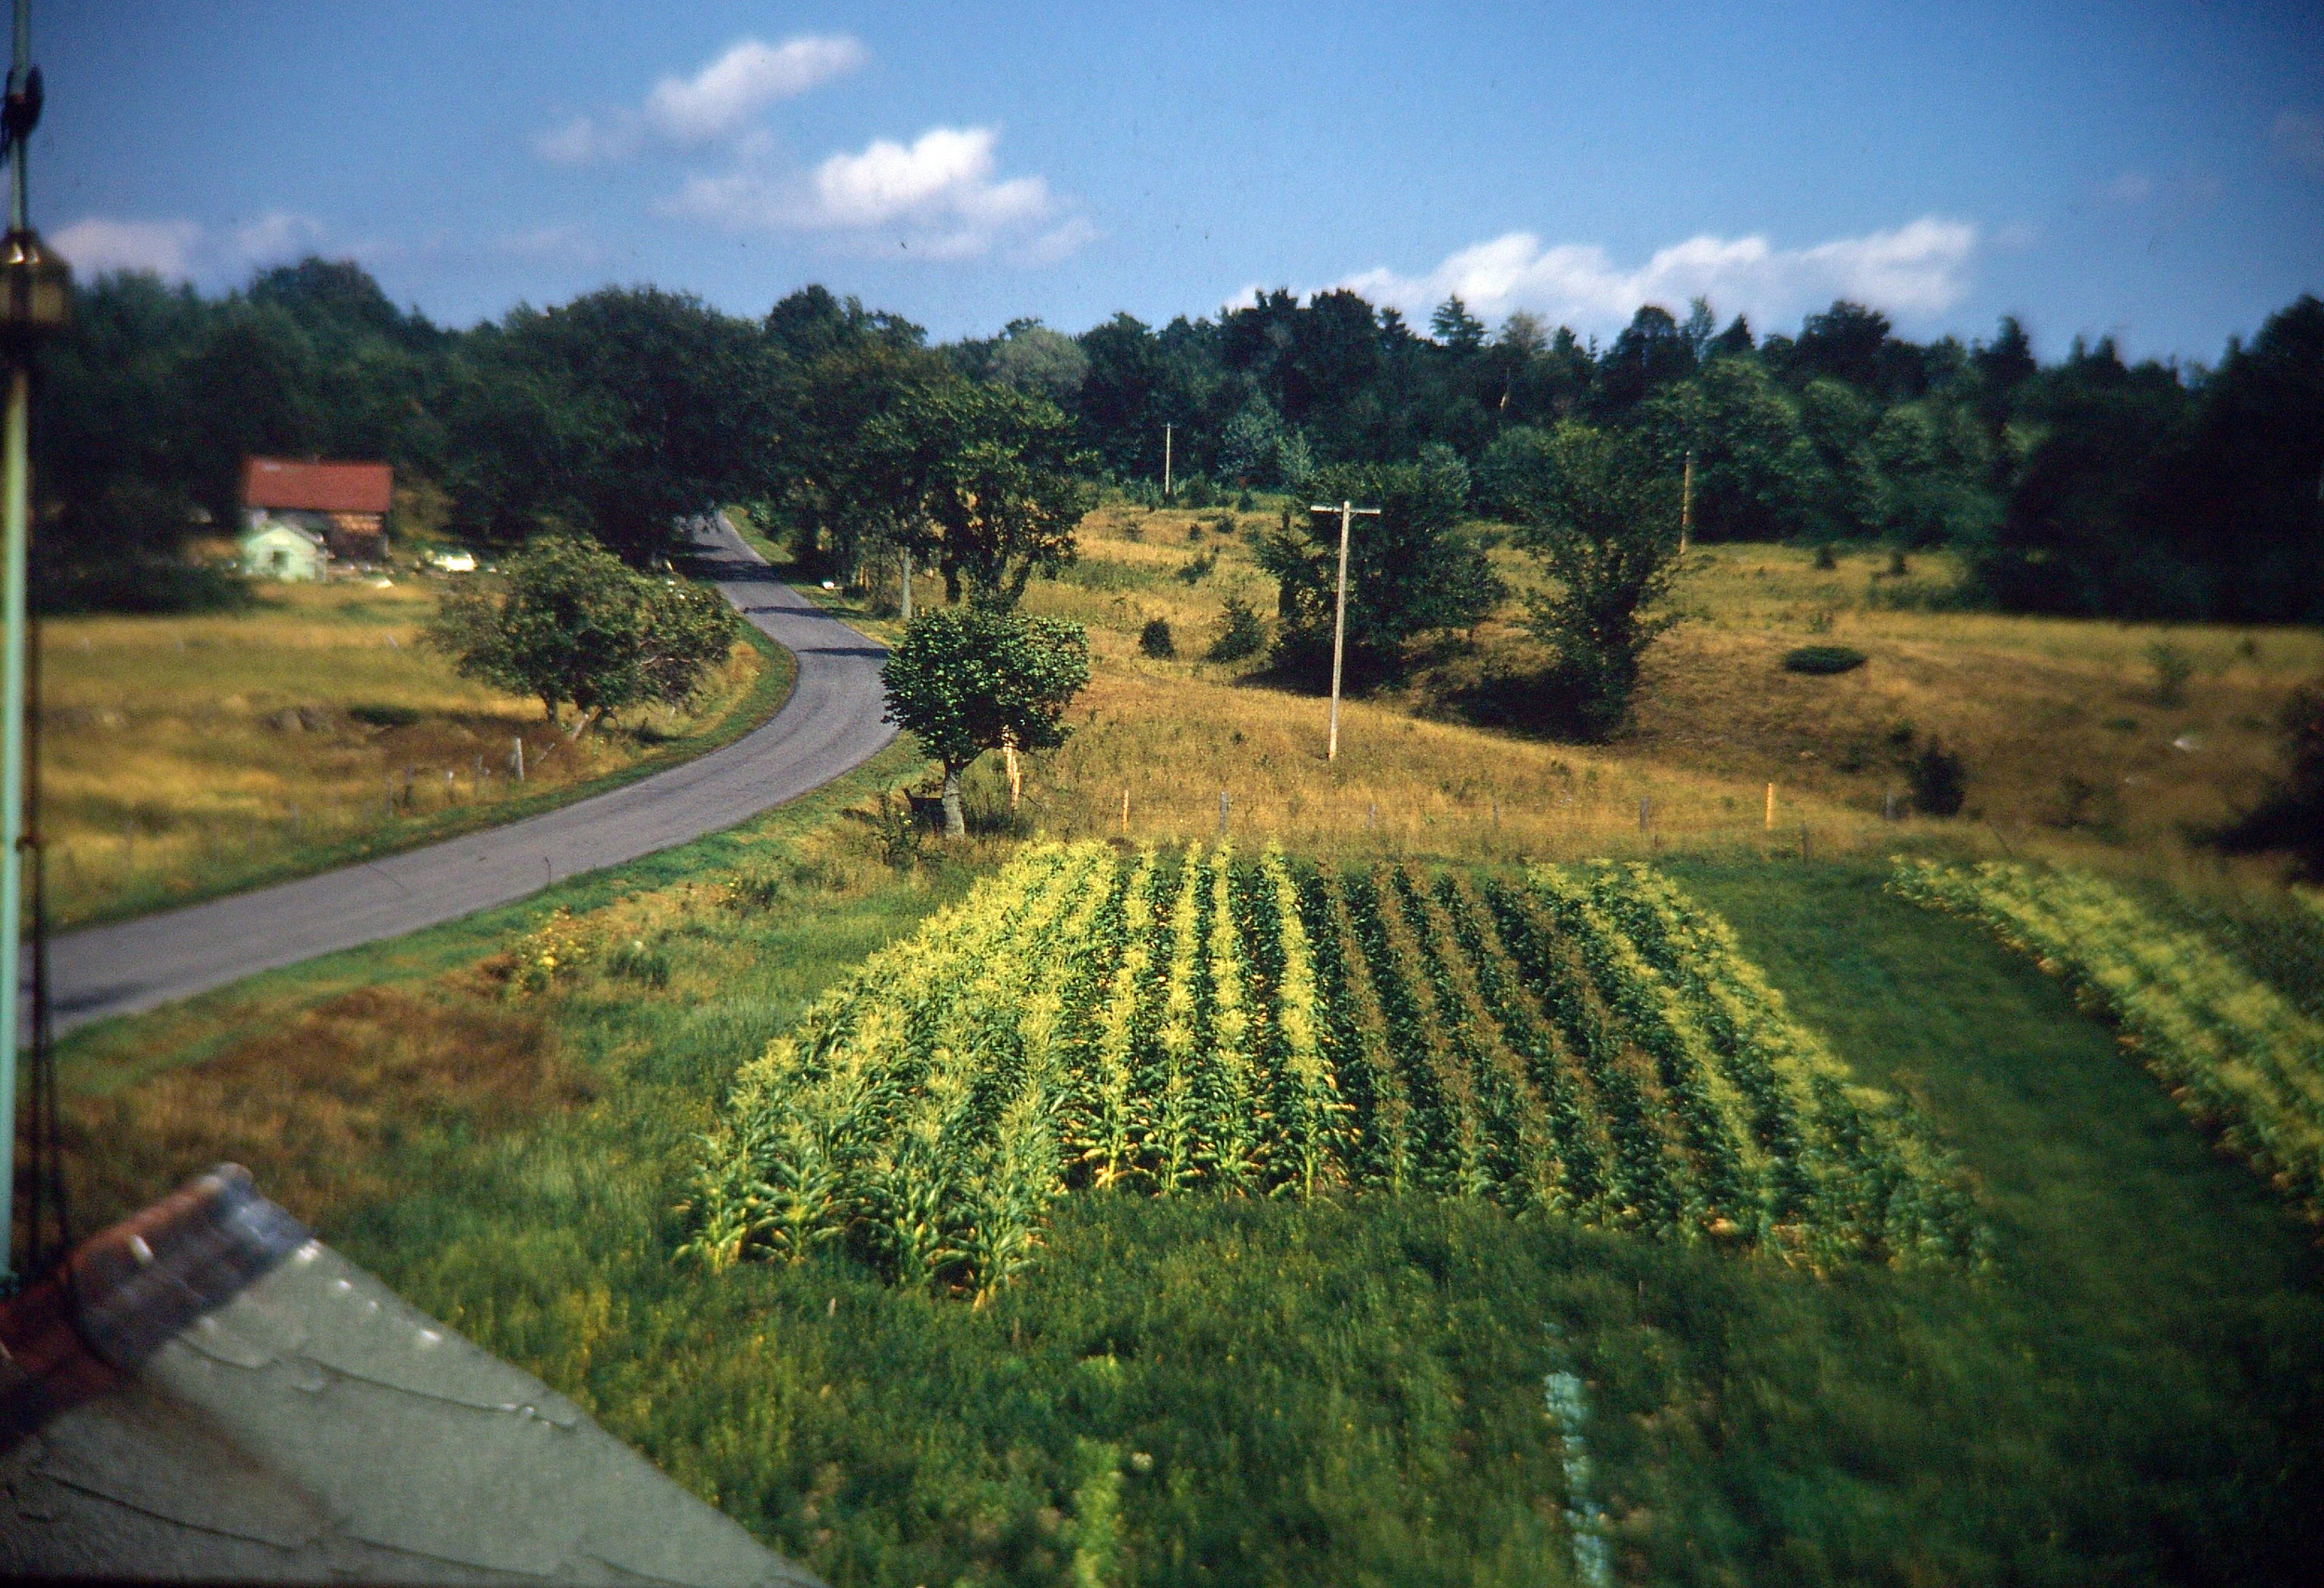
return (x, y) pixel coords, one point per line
(2153, 172)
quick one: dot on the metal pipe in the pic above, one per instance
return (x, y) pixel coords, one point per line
(13, 525)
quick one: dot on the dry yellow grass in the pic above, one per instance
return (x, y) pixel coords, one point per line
(1173, 743)
(2068, 746)
(180, 754)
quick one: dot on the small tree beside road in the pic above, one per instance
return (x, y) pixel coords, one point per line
(572, 624)
(969, 679)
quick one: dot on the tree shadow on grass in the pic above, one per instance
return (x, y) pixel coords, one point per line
(1531, 703)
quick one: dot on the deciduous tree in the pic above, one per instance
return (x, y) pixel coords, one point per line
(967, 679)
(1603, 518)
(572, 624)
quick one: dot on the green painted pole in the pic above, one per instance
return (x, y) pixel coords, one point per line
(15, 470)
(12, 787)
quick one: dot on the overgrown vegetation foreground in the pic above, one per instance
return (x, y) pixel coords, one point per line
(1584, 1045)
(1361, 1385)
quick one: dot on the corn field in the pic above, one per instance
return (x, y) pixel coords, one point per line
(2236, 1054)
(1582, 1044)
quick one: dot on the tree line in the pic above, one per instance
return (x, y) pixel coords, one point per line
(2091, 485)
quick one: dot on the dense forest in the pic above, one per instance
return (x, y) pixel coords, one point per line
(2082, 485)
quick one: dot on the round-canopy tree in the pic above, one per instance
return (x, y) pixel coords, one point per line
(969, 679)
(1602, 520)
(573, 624)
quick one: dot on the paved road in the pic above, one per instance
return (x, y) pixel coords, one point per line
(830, 723)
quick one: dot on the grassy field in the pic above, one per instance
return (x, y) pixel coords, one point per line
(186, 757)
(2071, 749)
(2125, 1386)
(1212, 1389)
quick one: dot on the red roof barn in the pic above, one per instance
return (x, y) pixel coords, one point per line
(345, 503)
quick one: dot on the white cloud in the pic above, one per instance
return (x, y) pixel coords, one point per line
(947, 171)
(161, 247)
(581, 140)
(937, 197)
(2298, 136)
(717, 103)
(746, 79)
(1057, 242)
(1916, 269)
(186, 250)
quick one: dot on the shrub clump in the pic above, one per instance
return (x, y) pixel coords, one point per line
(1939, 782)
(1242, 632)
(1155, 640)
(1824, 659)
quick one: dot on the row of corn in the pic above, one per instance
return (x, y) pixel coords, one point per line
(2236, 1054)
(1576, 1042)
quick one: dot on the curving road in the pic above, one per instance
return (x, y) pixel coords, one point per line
(830, 723)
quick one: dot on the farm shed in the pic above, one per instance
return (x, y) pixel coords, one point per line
(346, 504)
(273, 551)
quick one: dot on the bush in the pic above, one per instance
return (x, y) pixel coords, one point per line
(1246, 503)
(2173, 669)
(1827, 558)
(1197, 492)
(2291, 817)
(1824, 659)
(1155, 640)
(1938, 781)
(1242, 632)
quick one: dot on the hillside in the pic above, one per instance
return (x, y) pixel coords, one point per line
(2069, 744)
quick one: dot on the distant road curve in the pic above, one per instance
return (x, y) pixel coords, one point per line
(830, 724)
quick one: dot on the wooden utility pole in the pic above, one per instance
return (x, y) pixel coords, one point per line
(1165, 463)
(1686, 503)
(907, 586)
(1339, 613)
